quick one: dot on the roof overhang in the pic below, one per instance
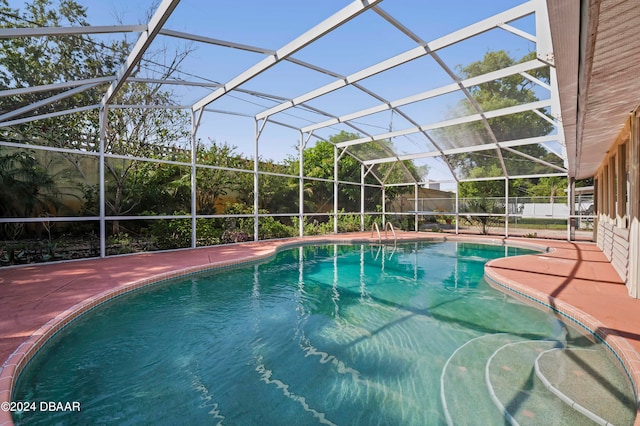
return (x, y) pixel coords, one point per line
(597, 56)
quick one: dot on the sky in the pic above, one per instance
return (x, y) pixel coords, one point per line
(359, 43)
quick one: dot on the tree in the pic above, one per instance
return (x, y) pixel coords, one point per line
(39, 61)
(133, 132)
(212, 184)
(552, 187)
(502, 93)
(318, 163)
(141, 133)
(162, 187)
(277, 194)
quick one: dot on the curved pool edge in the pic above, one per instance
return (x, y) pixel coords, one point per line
(14, 364)
(618, 346)
(20, 357)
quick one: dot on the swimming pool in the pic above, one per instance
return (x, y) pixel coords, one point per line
(332, 334)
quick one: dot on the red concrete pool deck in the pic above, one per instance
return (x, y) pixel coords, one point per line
(575, 279)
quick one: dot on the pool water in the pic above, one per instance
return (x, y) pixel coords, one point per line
(333, 334)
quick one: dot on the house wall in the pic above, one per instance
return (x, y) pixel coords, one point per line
(617, 184)
(614, 242)
(634, 210)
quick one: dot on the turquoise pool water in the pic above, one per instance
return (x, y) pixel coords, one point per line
(346, 335)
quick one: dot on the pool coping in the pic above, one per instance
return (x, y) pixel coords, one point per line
(22, 355)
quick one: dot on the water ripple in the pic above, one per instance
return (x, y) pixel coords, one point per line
(265, 376)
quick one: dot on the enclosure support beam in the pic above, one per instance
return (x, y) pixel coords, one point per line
(194, 206)
(144, 41)
(342, 16)
(415, 207)
(362, 197)
(457, 207)
(47, 101)
(556, 113)
(8, 33)
(384, 206)
(452, 122)
(301, 187)
(256, 182)
(197, 118)
(571, 221)
(473, 148)
(506, 207)
(104, 117)
(544, 46)
(534, 159)
(335, 189)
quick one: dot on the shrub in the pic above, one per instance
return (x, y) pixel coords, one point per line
(347, 223)
(171, 233)
(270, 227)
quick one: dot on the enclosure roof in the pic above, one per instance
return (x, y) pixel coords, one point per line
(391, 73)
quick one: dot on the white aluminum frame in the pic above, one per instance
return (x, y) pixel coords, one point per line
(156, 26)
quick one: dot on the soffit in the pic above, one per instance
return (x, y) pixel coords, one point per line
(611, 88)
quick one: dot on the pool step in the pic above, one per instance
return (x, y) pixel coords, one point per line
(498, 379)
(463, 390)
(568, 373)
(518, 393)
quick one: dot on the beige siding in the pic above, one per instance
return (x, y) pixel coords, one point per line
(614, 242)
